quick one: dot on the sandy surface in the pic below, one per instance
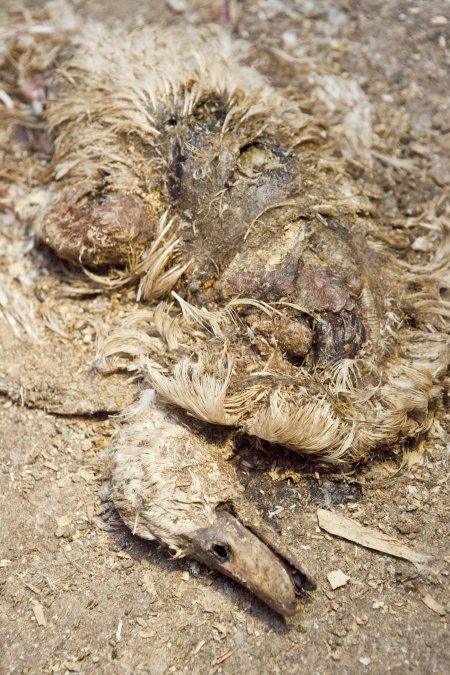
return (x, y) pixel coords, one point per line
(78, 592)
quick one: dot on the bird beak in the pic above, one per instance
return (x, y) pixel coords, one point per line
(234, 550)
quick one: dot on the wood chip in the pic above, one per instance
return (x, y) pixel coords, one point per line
(432, 604)
(149, 586)
(38, 612)
(224, 657)
(198, 646)
(178, 6)
(142, 622)
(220, 628)
(146, 634)
(51, 466)
(33, 588)
(6, 99)
(88, 476)
(412, 458)
(438, 21)
(337, 578)
(353, 531)
(64, 521)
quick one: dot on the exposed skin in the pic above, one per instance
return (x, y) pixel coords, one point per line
(105, 225)
(250, 228)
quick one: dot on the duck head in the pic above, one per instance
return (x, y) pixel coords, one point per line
(173, 485)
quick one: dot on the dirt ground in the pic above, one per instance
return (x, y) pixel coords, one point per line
(79, 593)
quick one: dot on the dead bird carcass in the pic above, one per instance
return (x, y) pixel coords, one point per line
(177, 166)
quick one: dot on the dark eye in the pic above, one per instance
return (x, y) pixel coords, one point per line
(171, 121)
(210, 114)
(221, 551)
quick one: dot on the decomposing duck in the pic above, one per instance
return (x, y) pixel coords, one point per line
(175, 165)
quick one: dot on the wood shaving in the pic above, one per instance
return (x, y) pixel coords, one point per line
(351, 530)
(38, 612)
(432, 604)
(337, 578)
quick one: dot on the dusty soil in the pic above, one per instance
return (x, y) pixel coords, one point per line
(78, 592)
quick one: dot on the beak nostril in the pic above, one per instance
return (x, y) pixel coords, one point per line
(221, 551)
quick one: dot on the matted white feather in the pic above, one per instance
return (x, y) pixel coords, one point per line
(201, 393)
(305, 425)
(181, 476)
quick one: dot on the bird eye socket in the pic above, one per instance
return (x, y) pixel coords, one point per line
(221, 551)
(171, 121)
(210, 114)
